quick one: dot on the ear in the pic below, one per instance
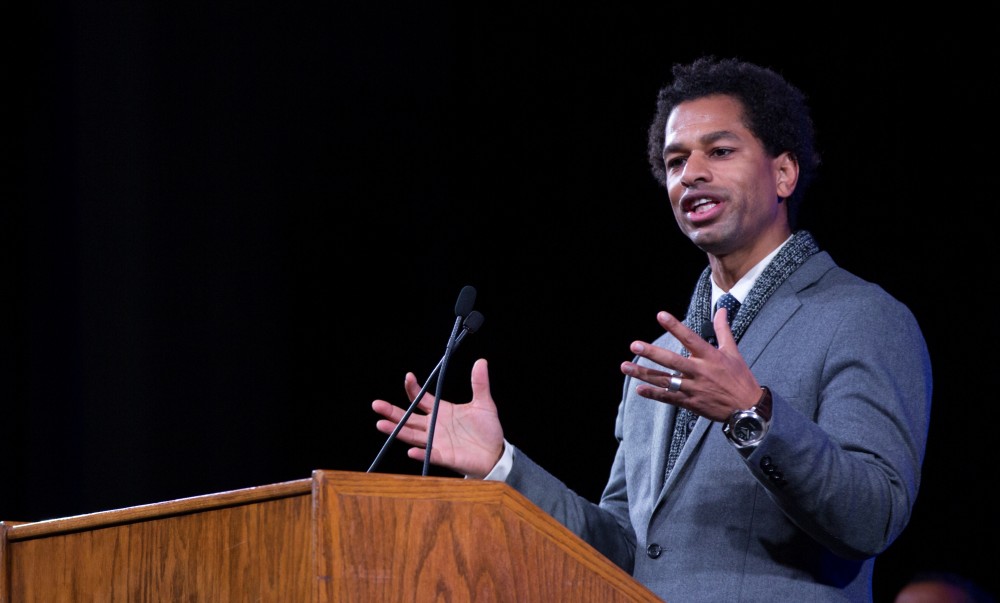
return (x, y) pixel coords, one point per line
(786, 173)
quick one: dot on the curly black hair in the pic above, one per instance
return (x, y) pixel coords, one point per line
(775, 112)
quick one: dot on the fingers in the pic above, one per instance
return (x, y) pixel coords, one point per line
(413, 388)
(414, 431)
(676, 365)
(693, 341)
(689, 339)
(653, 376)
(392, 412)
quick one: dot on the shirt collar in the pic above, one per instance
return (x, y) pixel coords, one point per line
(742, 287)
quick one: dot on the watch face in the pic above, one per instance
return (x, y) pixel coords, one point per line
(748, 429)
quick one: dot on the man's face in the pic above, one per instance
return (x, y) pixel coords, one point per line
(722, 184)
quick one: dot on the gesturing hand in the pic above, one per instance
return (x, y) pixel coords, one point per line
(468, 438)
(713, 381)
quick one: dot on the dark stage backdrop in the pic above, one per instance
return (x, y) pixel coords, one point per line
(235, 225)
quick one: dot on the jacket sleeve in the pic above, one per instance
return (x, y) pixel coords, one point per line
(607, 530)
(846, 467)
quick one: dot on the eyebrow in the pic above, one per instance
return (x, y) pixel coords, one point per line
(707, 139)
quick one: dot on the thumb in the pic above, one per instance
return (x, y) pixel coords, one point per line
(480, 380)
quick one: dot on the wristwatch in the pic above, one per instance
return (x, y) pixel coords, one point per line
(746, 428)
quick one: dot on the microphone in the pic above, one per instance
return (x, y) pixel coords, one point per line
(472, 324)
(466, 297)
(464, 303)
(473, 321)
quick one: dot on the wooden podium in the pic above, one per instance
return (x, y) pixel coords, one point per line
(337, 536)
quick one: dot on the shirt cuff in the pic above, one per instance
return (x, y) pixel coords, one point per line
(501, 470)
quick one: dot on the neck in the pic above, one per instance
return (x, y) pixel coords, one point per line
(729, 268)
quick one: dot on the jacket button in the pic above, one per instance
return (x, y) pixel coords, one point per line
(654, 551)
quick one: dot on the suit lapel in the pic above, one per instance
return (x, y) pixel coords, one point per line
(780, 307)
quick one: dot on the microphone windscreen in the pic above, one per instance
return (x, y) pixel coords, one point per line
(466, 299)
(474, 321)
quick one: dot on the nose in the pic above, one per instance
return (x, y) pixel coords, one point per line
(695, 170)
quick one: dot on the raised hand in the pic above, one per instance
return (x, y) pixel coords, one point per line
(468, 438)
(712, 382)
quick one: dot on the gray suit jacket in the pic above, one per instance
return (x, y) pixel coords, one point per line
(831, 486)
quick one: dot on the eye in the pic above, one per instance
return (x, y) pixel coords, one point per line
(722, 152)
(674, 162)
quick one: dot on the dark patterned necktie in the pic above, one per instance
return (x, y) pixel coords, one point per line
(732, 306)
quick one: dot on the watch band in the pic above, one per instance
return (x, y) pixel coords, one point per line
(763, 405)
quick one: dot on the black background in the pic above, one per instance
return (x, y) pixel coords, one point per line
(232, 226)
